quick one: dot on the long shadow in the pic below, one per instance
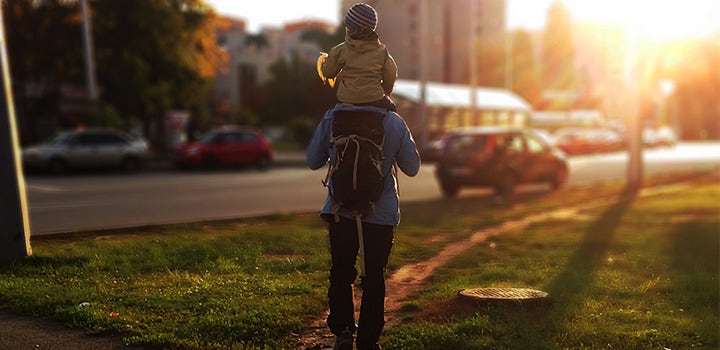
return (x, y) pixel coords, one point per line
(579, 274)
(434, 211)
(694, 266)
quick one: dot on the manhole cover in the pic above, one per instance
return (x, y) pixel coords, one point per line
(504, 294)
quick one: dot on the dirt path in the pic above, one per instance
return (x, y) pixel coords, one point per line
(410, 278)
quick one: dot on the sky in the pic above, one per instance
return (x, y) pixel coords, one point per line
(665, 19)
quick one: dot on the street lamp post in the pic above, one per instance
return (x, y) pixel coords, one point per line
(473, 60)
(89, 53)
(423, 51)
(14, 218)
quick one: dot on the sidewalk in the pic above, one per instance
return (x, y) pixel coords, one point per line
(23, 332)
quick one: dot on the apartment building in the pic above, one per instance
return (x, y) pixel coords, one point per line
(450, 29)
(250, 56)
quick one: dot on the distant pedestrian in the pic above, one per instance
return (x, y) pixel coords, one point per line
(364, 71)
(375, 226)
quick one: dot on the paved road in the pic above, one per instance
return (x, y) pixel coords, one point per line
(97, 201)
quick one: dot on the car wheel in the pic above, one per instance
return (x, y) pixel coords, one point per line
(449, 189)
(506, 186)
(131, 164)
(210, 161)
(57, 166)
(263, 162)
(561, 177)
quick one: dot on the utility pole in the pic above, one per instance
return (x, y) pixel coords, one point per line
(423, 48)
(14, 218)
(473, 60)
(89, 53)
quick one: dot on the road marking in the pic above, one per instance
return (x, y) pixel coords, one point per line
(43, 188)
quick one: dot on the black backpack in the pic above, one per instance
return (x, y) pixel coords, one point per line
(356, 173)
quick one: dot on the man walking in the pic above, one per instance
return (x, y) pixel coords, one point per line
(376, 228)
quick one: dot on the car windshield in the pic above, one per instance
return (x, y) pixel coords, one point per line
(62, 138)
(466, 143)
(209, 137)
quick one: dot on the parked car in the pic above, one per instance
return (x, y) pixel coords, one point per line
(227, 145)
(606, 140)
(574, 141)
(87, 148)
(660, 137)
(498, 157)
(431, 151)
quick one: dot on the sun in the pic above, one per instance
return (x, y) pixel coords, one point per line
(659, 20)
(679, 19)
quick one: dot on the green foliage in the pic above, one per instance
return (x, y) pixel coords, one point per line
(558, 56)
(104, 114)
(295, 91)
(295, 95)
(324, 40)
(150, 56)
(243, 116)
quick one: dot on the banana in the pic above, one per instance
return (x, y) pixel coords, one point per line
(320, 62)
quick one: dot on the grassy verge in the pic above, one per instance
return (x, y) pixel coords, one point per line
(631, 275)
(254, 283)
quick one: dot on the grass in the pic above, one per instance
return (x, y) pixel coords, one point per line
(632, 275)
(639, 274)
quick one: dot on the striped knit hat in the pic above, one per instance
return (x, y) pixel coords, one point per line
(361, 15)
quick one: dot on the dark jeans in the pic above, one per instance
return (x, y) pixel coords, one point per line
(378, 240)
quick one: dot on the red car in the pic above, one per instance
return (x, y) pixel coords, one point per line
(499, 158)
(228, 145)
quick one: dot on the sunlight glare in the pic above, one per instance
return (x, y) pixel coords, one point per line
(656, 20)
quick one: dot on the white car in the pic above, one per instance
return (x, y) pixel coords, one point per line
(661, 137)
(87, 148)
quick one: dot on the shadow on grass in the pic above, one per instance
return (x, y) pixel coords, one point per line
(568, 289)
(34, 263)
(694, 274)
(436, 211)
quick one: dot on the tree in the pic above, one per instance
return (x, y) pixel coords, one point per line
(697, 94)
(525, 70)
(295, 90)
(44, 46)
(150, 56)
(296, 96)
(558, 65)
(324, 40)
(154, 56)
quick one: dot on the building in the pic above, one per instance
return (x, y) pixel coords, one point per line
(449, 107)
(449, 35)
(250, 56)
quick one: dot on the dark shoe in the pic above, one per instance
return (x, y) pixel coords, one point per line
(375, 346)
(344, 341)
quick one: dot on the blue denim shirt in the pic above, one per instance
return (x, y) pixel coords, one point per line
(399, 147)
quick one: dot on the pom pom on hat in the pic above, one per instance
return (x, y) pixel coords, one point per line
(361, 15)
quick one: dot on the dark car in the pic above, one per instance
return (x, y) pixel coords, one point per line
(500, 158)
(87, 148)
(228, 145)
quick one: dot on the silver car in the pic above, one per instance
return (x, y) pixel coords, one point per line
(87, 148)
